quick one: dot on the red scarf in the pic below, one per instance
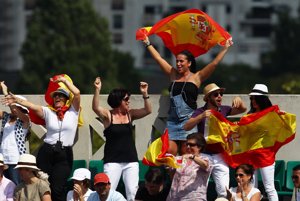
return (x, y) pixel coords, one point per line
(60, 112)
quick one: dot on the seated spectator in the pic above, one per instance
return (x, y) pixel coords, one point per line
(81, 179)
(7, 187)
(244, 190)
(34, 185)
(154, 188)
(296, 181)
(191, 179)
(103, 190)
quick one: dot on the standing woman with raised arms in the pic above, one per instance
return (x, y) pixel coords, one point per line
(55, 156)
(120, 155)
(183, 91)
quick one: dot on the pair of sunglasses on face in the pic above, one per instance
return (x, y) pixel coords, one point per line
(216, 94)
(189, 144)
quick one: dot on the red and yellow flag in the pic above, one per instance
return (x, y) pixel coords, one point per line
(255, 139)
(157, 155)
(191, 30)
(53, 86)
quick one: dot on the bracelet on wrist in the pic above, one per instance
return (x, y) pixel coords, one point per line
(147, 44)
(146, 97)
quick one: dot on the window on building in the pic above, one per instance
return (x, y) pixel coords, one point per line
(117, 21)
(167, 53)
(149, 10)
(117, 4)
(261, 30)
(228, 9)
(176, 9)
(228, 28)
(259, 12)
(117, 38)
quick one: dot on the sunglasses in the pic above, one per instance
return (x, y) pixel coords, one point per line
(126, 99)
(239, 175)
(295, 177)
(60, 95)
(216, 94)
(191, 144)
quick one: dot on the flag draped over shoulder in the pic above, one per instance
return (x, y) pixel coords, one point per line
(191, 30)
(53, 86)
(157, 155)
(255, 139)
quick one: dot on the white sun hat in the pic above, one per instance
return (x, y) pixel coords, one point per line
(21, 106)
(27, 161)
(259, 90)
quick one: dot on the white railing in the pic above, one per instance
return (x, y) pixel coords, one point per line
(155, 121)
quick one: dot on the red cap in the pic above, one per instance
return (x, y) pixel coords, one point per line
(101, 178)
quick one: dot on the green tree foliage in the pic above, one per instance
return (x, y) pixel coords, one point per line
(236, 78)
(281, 65)
(285, 55)
(67, 36)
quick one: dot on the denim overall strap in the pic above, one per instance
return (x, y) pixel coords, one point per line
(179, 105)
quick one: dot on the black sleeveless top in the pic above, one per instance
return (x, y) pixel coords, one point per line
(119, 146)
(190, 92)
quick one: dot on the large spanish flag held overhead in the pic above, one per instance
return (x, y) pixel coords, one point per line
(255, 139)
(191, 30)
(157, 155)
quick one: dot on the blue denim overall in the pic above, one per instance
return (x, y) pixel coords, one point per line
(179, 114)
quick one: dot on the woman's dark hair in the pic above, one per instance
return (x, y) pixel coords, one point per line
(247, 168)
(154, 176)
(198, 137)
(263, 102)
(116, 96)
(190, 57)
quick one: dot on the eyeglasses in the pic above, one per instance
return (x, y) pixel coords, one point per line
(216, 94)
(191, 144)
(239, 175)
(295, 177)
(126, 99)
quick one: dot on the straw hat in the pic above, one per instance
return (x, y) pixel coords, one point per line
(259, 90)
(209, 89)
(27, 161)
(2, 162)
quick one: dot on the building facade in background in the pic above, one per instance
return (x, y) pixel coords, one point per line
(248, 21)
(12, 34)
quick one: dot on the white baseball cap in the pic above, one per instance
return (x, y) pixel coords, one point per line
(81, 174)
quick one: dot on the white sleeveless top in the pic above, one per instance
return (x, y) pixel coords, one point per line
(250, 194)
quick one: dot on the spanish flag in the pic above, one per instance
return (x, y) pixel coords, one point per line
(53, 86)
(191, 30)
(157, 155)
(255, 139)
